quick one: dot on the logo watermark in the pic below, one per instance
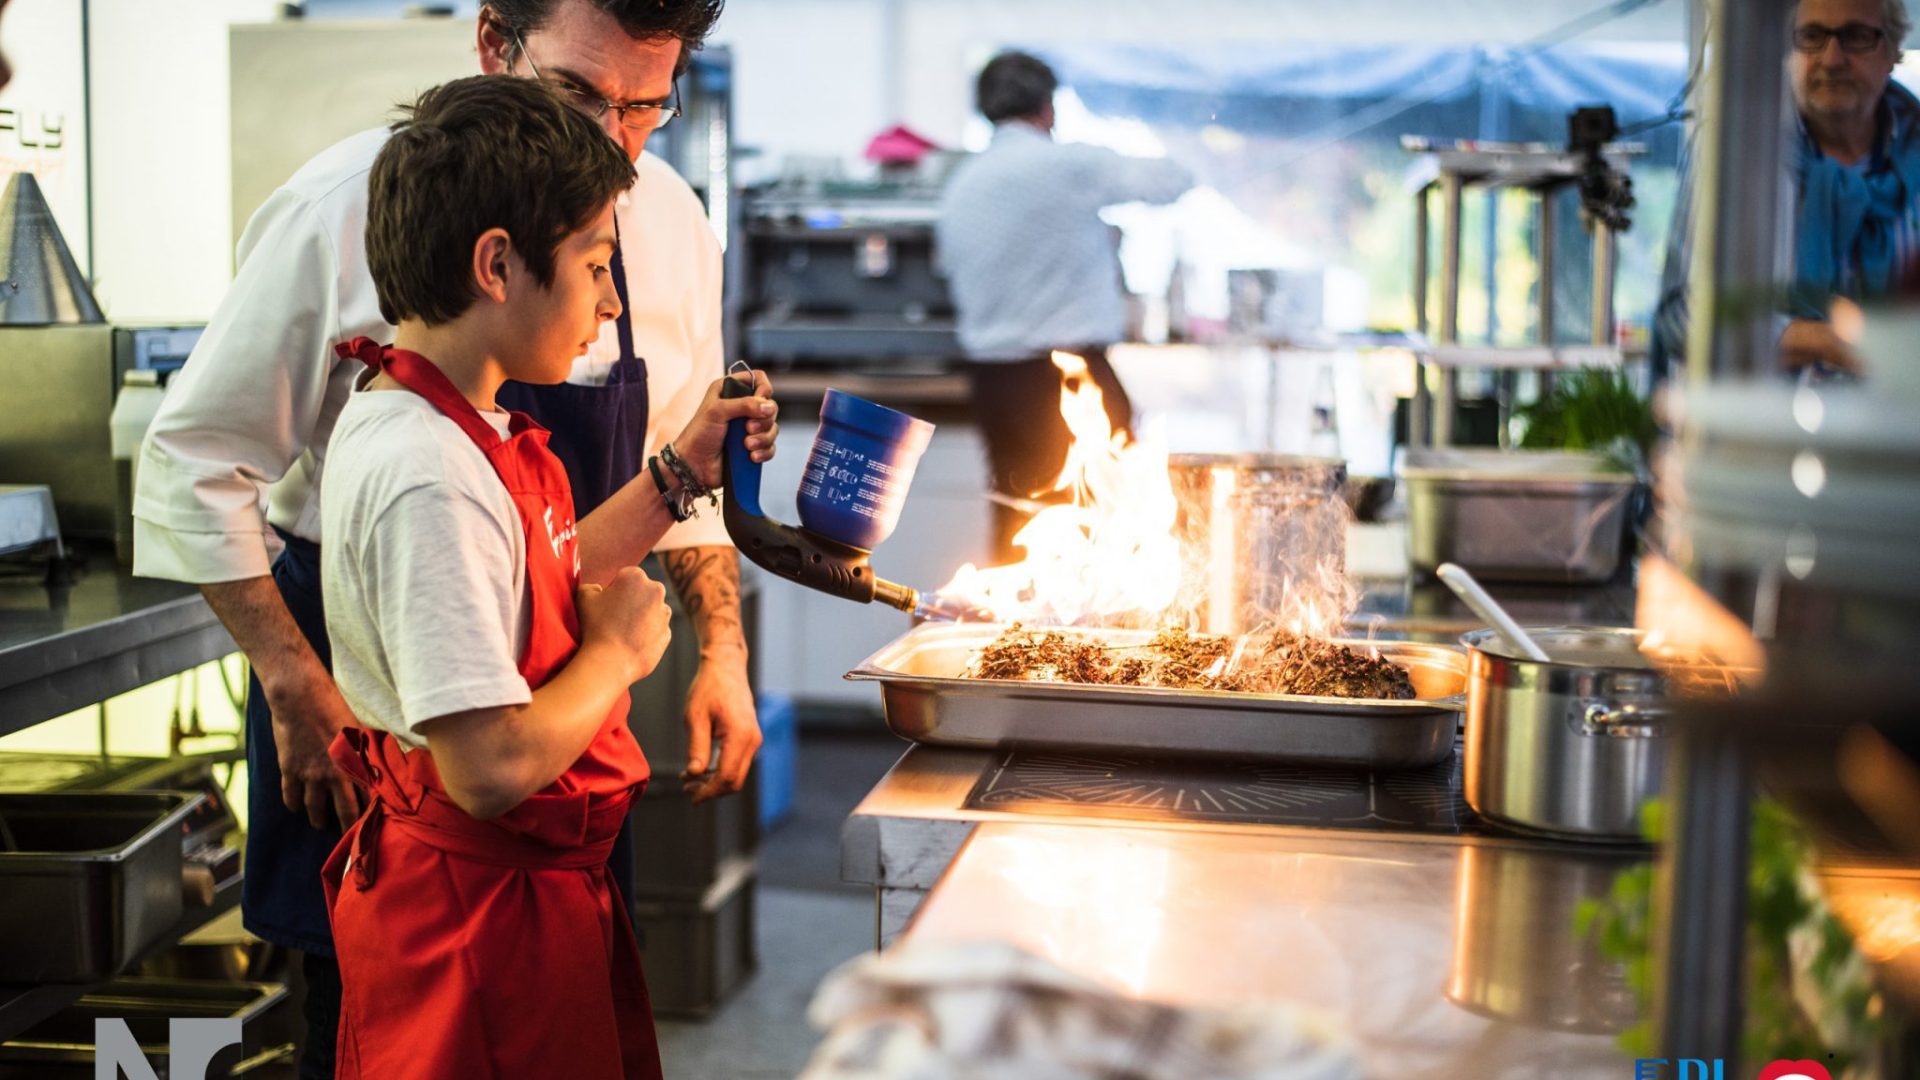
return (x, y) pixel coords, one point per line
(1716, 1069)
(191, 1045)
(1679, 1069)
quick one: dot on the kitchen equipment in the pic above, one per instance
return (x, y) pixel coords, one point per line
(856, 479)
(1517, 955)
(1571, 747)
(1485, 606)
(90, 880)
(1227, 791)
(1260, 535)
(62, 1045)
(1516, 515)
(62, 384)
(26, 517)
(837, 272)
(141, 390)
(859, 470)
(1802, 505)
(926, 698)
(1368, 497)
(40, 284)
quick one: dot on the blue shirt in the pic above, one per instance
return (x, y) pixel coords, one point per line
(1032, 265)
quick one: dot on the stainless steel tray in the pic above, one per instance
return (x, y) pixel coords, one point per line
(927, 700)
(87, 880)
(1516, 515)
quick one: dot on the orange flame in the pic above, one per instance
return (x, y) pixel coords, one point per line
(1110, 552)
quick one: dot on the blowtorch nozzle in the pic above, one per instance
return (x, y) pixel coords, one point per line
(895, 595)
(937, 608)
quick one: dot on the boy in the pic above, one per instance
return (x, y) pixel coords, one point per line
(477, 927)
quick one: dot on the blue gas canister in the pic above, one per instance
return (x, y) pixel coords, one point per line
(851, 494)
(859, 471)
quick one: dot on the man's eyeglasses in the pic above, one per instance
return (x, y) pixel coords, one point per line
(636, 117)
(1854, 38)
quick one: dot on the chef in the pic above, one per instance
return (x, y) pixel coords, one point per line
(233, 464)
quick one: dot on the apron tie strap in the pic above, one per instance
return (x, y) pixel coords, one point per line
(364, 349)
(361, 868)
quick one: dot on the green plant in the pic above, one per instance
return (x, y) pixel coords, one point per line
(1591, 409)
(1799, 957)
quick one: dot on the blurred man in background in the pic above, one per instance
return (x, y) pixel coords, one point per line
(1034, 268)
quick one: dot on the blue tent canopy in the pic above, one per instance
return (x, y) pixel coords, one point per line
(1379, 92)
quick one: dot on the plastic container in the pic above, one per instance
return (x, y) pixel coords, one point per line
(858, 474)
(141, 391)
(777, 765)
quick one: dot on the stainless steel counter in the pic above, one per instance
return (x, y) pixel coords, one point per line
(110, 632)
(1446, 956)
(1442, 960)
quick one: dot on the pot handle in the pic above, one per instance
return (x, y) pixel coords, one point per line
(1624, 721)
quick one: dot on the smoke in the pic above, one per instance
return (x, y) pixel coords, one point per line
(1263, 542)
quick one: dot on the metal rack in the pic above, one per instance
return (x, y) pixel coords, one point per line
(1450, 169)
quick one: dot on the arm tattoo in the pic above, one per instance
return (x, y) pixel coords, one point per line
(707, 580)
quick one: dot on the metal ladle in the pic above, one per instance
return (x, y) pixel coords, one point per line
(1483, 605)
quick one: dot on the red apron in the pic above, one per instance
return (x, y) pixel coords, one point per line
(500, 948)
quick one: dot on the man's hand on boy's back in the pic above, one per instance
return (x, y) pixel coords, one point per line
(705, 437)
(627, 619)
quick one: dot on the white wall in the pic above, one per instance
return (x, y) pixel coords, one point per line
(163, 245)
(809, 77)
(45, 131)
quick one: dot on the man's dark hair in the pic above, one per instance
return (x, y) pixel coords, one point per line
(686, 21)
(487, 151)
(1014, 85)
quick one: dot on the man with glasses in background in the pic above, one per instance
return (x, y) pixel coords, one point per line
(1856, 181)
(234, 460)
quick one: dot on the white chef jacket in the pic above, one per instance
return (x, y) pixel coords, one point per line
(244, 425)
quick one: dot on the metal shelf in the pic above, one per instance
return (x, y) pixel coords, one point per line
(1450, 169)
(21, 1007)
(1524, 357)
(111, 632)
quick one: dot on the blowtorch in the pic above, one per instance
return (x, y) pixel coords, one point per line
(855, 483)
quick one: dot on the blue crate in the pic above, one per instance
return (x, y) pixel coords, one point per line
(779, 758)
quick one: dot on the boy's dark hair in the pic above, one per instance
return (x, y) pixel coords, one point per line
(1014, 85)
(686, 21)
(474, 154)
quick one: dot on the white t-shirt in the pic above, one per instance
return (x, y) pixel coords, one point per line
(253, 411)
(425, 567)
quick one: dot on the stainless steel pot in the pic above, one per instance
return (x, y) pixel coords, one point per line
(1571, 747)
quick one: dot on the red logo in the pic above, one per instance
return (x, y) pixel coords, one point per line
(1795, 1070)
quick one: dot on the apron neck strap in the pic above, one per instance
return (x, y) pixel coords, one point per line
(418, 374)
(618, 267)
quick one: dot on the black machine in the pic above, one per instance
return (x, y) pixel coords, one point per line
(1606, 193)
(844, 273)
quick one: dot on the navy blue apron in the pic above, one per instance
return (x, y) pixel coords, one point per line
(280, 896)
(600, 434)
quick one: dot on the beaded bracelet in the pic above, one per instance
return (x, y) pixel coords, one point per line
(680, 504)
(690, 482)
